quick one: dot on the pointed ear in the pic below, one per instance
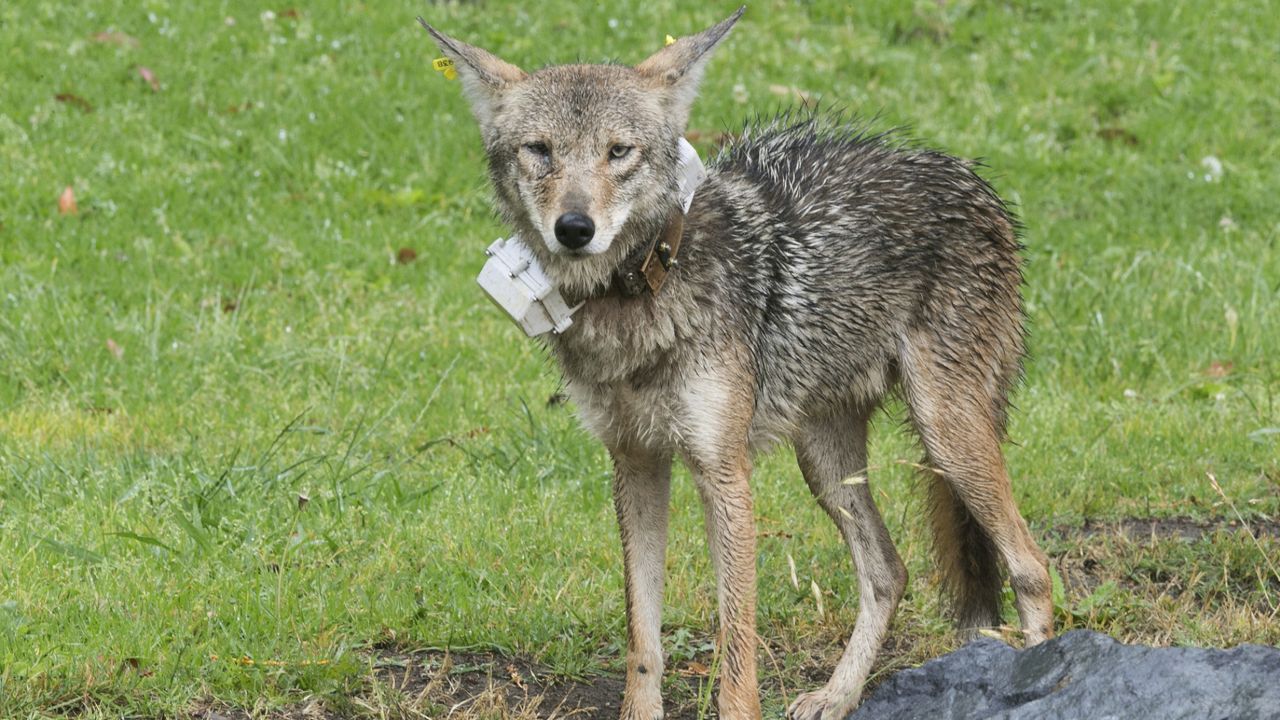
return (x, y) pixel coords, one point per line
(484, 75)
(677, 68)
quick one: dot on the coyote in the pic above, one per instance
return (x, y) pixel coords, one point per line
(818, 269)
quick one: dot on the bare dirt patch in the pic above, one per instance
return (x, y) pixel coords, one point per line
(1180, 528)
(1150, 579)
(488, 684)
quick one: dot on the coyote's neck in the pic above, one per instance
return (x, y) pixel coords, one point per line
(645, 270)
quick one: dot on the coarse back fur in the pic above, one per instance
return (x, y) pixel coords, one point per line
(821, 267)
(809, 241)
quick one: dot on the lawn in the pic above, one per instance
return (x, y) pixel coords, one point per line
(262, 438)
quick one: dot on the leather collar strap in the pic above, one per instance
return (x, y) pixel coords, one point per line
(646, 270)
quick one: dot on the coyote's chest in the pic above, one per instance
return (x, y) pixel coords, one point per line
(662, 379)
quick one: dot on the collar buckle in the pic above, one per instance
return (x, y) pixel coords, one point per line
(660, 258)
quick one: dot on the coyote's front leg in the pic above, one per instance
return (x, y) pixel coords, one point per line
(731, 533)
(717, 417)
(641, 492)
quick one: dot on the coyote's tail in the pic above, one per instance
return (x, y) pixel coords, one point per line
(968, 562)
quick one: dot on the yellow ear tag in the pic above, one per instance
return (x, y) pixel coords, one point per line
(669, 41)
(444, 66)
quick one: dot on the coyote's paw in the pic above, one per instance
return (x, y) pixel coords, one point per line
(641, 709)
(819, 705)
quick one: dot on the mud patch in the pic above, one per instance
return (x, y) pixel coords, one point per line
(489, 685)
(1141, 565)
(1179, 528)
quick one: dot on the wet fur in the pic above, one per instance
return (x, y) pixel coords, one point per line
(822, 267)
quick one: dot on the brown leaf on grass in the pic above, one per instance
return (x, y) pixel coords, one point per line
(147, 74)
(74, 100)
(115, 349)
(67, 202)
(288, 13)
(115, 38)
(516, 678)
(135, 664)
(693, 668)
(1218, 369)
(235, 109)
(405, 255)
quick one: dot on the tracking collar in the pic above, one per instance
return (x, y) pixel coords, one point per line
(516, 282)
(646, 269)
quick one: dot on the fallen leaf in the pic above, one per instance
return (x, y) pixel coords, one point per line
(516, 678)
(693, 668)
(67, 202)
(288, 13)
(115, 38)
(76, 100)
(234, 109)
(405, 255)
(147, 74)
(114, 348)
(1218, 369)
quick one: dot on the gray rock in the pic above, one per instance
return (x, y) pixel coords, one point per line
(1084, 675)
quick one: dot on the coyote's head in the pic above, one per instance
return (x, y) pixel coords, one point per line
(583, 158)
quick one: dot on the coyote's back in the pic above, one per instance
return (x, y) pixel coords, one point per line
(837, 245)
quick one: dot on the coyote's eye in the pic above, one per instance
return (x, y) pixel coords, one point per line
(617, 152)
(539, 149)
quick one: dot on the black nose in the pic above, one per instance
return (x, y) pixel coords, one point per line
(574, 230)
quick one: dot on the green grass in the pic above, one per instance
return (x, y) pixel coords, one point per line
(223, 329)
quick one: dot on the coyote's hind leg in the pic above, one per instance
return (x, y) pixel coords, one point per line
(952, 409)
(832, 453)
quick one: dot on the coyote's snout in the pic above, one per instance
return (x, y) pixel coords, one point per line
(817, 269)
